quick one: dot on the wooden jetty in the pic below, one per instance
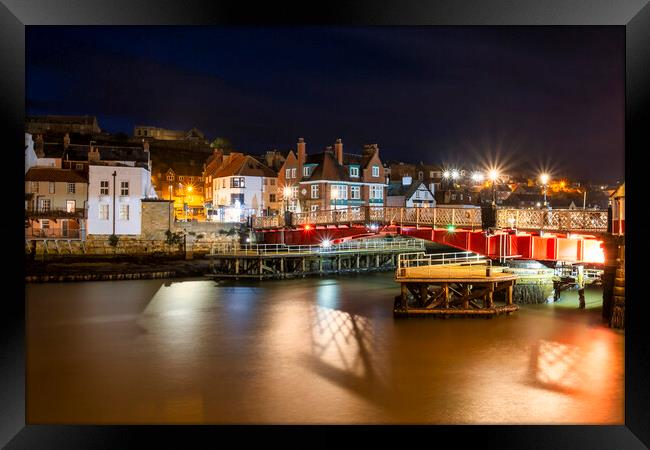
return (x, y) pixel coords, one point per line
(452, 284)
(277, 261)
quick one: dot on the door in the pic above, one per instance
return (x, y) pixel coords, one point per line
(64, 228)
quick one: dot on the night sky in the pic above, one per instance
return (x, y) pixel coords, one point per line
(526, 97)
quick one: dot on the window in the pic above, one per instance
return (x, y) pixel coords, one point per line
(170, 177)
(103, 187)
(272, 181)
(272, 198)
(375, 171)
(293, 173)
(223, 183)
(103, 212)
(45, 204)
(145, 132)
(354, 171)
(139, 132)
(237, 199)
(431, 174)
(314, 191)
(35, 186)
(124, 188)
(355, 192)
(71, 188)
(420, 175)
(339, 192)
(191, 179)
(79, 166)
(294, 192)
(287, 174)
(45, 224)
(305, 171)
(181, 178)
(70, 206)
(417, 194)
(51, 190)
(265, 181)
(237, 182)
(124, 212)
(376, 192)
(314, 208)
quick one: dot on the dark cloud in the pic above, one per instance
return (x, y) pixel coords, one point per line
(534, 96)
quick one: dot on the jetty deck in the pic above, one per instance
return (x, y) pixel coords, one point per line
(452, 284)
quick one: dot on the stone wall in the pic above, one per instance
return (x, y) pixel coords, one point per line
(156, 215)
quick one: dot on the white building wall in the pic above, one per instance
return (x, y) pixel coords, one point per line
(139, 182)
(30, 155)
(425, 196)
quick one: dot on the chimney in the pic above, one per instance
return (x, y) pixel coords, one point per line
(66, 141)
(39, 146)
(93, 154)
(302, 153)
(339, 151)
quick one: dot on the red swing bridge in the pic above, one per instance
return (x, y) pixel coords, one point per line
(567, 235)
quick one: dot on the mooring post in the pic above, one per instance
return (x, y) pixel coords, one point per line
(510, 290)
(404, 302)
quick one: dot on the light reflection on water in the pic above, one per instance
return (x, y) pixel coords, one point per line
(309, 351)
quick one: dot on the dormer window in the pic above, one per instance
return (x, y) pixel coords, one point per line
(375, 171)
(170, 177)
(305, 171)
(354, 171)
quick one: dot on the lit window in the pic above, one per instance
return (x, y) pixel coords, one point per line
(314, 191)
(103, 212)
(45, 204)
(71, 188)
(45, 224)
(293, 173)
(354, 171)
(51, 184)
(237, 182)
(305, 171)
(272, 181)
(70, 206)
(103, 187)
(375, 171)
(355, 192)
(79, 166)
(124, 212)
(294, 192)
(376, 192)
(181, 178)
(170, 177)
(287, 174)
(191, 179)
(35, 186)
(314, 208)
(124, 188)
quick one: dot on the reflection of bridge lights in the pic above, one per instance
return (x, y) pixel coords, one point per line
(308, 227)
(451, 229)
(373, 227)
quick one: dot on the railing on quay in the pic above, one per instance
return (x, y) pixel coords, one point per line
(269, 249)
(468, 264)
(55, 213)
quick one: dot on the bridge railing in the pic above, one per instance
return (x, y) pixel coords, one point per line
(436, 216)
(552, 219)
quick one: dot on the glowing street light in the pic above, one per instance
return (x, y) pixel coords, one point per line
(477, 177)
(493, 174)
(454, 174)
(544, 179)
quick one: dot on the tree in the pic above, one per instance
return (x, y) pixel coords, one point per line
(221, 143)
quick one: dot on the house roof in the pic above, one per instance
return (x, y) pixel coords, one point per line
(327, 168)
(244, 165)
(85, 120)
(77, 152)
(55, 175)
(619, 192)
(398, 189)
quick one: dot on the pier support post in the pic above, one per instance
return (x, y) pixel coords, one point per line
(404, 299)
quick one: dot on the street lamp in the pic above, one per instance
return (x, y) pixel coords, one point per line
(286, 195)
(477, 177)
(493, 175)
(544, 179)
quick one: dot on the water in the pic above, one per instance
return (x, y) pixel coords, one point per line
(310, 351)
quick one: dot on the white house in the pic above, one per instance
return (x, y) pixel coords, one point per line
(243, 186)
(114, 202)
(410, 193)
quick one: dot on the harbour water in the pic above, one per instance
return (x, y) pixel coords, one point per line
(313, 350)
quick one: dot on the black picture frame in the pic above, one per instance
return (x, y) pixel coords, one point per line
(634, 15)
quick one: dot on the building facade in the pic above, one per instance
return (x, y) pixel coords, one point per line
(332, 179)
(241, 187)
(410, 194)
(55, 203)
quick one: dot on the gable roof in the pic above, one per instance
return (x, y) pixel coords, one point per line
(55, 175)
(328, 168)
(398, 189)
(244, 165)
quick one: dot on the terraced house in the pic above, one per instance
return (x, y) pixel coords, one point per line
(332, 179)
